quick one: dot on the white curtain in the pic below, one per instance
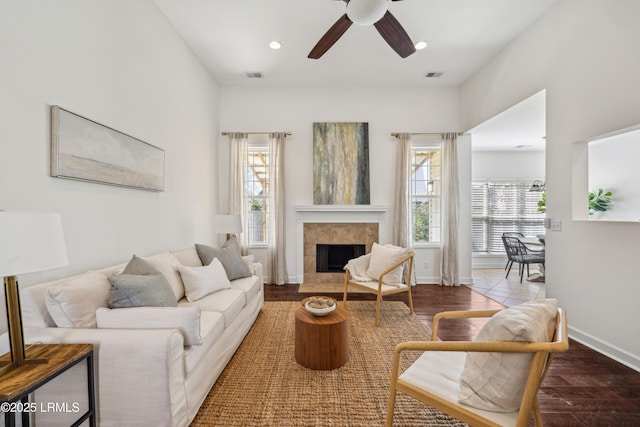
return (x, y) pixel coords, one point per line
(402, 226)
(277, 271)
(238, 158)
(402, 203)
(449, 270)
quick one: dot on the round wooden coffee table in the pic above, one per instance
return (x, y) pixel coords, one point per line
(322, 342)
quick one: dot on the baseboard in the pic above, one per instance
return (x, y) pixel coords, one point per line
(603, 347)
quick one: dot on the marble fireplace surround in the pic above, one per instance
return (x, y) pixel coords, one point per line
(334, 224)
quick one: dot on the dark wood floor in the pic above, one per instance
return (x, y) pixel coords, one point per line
(582, 388)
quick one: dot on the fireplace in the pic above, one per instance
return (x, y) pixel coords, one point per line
(333, 258)
(334, 225)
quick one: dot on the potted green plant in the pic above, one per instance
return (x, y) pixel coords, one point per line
(542, 203)
(599, 201)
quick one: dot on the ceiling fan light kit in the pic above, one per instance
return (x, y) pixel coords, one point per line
(367, 12)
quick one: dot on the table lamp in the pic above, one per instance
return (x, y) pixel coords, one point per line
(31, 242)
(229, 224)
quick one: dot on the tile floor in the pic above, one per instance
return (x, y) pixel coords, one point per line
(508, 291)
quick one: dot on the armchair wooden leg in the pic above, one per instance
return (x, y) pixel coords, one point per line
(391, 405)
(378, 301)
(346, 287)
(410, 299)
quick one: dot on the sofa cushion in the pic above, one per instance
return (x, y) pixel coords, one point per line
(229, 302)
(188, 256)
(202, 281)
(211, 328)
(229, 255)
(131, 290)
(249, 260)
(73, 303)
(167, 265)
(185, 319)
(496, 381)
(383, 257)
(250, 285)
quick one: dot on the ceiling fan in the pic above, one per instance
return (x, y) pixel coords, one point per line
(367, 12)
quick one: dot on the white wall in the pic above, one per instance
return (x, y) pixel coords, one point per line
(586, 54)
(122, 65)
(501, 165)
(295, 109)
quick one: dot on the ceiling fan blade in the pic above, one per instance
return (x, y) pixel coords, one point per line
(330, 37)
(391, 30)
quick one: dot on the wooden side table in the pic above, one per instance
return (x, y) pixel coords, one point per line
(322, 343)
(17, 384)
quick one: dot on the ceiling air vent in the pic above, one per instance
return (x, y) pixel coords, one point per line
(255, 74)
(433, 74)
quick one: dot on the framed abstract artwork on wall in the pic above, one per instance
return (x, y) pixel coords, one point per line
(84, 150)
(341, 163)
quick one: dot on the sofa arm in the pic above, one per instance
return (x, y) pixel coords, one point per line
(139, 373)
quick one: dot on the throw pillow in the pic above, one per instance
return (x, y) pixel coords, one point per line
(185, 319)
(248, 261)
(229, 255)
(202, 281)
(383, 257)
(73, 303)
(131, 290)
(167, 265)
(496, 381)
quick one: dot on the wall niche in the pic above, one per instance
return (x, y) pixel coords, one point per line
(608, 162)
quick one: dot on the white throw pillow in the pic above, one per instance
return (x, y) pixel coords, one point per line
(496, 381)
(202, 281)
(73, 303)
(248, 261)
(383, 257)
(185, 319)
(167, 264)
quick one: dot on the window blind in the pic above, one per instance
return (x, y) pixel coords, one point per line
(499, 207)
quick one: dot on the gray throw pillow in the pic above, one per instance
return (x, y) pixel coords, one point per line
(132, 290)
(140, 285)
(138, 265)
(229, 255)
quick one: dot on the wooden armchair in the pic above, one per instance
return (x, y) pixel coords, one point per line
(434, 377)
(379, 285)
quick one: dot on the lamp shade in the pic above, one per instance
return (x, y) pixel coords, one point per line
(31, 242)
(366, 12)
(230, 224)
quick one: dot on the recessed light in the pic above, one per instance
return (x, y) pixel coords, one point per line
(275, 45)
(421, 45)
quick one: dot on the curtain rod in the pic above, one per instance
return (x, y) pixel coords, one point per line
(424, 133)
(287, 133)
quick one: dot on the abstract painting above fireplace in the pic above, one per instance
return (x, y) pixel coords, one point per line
(341, 164)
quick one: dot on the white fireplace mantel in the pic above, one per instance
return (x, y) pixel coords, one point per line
(334, 214)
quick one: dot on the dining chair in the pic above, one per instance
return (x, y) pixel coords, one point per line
(511, 234)
(522, 254)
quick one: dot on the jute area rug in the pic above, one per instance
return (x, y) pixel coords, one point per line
(263, 385)
(325, 288)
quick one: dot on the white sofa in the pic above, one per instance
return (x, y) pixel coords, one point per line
(148, 377)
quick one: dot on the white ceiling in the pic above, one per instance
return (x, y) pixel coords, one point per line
(231, 38)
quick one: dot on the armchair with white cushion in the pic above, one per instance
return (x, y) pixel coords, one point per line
(492, 380)
(384, 271)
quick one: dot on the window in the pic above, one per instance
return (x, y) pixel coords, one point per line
(499, 207)
(257, 194)
(425, 192)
